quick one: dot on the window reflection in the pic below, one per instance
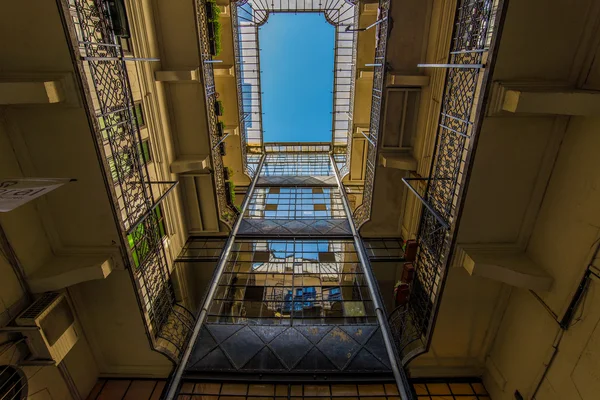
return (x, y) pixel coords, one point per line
(297, 164)
(292, 282)
(295, 203)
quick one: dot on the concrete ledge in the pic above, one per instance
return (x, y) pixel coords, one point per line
(508, 265)
(224, 70)
(403, 161)
(64, 271)
(38, 88)
(555, 98)
(392, 80)
(47, 92)
(177, 76)
(182, 165)
(365, 74)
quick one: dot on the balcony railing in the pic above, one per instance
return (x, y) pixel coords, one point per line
(344, 75)
(363, 212)
(102, 70)
(227, 213)
(469, 70)
(247, 72)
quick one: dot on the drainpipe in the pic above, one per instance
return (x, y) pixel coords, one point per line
(174, 384)
(405, 392)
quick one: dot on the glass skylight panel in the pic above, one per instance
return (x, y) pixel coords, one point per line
(295, 203)
(293, 281)
(247, 20)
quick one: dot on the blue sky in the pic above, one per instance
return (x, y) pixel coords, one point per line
(296, 60)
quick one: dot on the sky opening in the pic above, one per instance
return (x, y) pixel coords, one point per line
(296, 62)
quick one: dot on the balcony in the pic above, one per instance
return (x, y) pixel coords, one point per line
(467, 79)
(227, 211)
(104, 70)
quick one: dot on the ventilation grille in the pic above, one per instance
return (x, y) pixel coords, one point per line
(39, 305)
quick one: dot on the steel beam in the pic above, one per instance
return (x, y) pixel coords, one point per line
(174, 384)
(399, 376)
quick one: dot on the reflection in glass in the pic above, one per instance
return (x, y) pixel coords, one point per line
(297, 164)
(275, 281)
(295, 203)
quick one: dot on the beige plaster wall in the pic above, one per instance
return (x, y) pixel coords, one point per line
(564, 237)
(467, 321)
(534, 187)
(542, 39)
(386, 213)
(43, 382)
(178, 50)
(76, 218)
(522, 343)
(568, 224)
(110, 313)
(510, 154)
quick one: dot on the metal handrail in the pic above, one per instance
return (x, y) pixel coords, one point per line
(363, 213)
(107, 87)
(245, 116)
(465, 92)
(227, 213)
(399, 374)
(224, 258)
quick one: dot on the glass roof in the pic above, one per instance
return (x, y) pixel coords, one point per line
(249, 15)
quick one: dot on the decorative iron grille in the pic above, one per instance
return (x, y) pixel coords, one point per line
(227, 213)
(340, 110)
(102, 69)
(244, 113)
(344, 77)
(247, 72)
(363, 212)
(459, 125)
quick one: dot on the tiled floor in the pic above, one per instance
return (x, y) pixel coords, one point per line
(237, 391)
(124, 389)
(450, 391)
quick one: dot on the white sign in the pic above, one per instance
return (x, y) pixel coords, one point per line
(18, 191)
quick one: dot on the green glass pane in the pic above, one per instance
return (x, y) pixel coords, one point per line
(113, 168)
(145, 151)
(102, 124)
(139, 244)
(161, 222)
(139, 114)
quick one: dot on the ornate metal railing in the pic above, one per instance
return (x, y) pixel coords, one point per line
(246, 115)
(468, 72)
(102, 71)
(344, 78)
(363, 212)
(346, 168)
(245, 24)
(227, 213)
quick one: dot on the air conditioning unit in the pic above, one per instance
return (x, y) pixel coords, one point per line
(55, 321)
